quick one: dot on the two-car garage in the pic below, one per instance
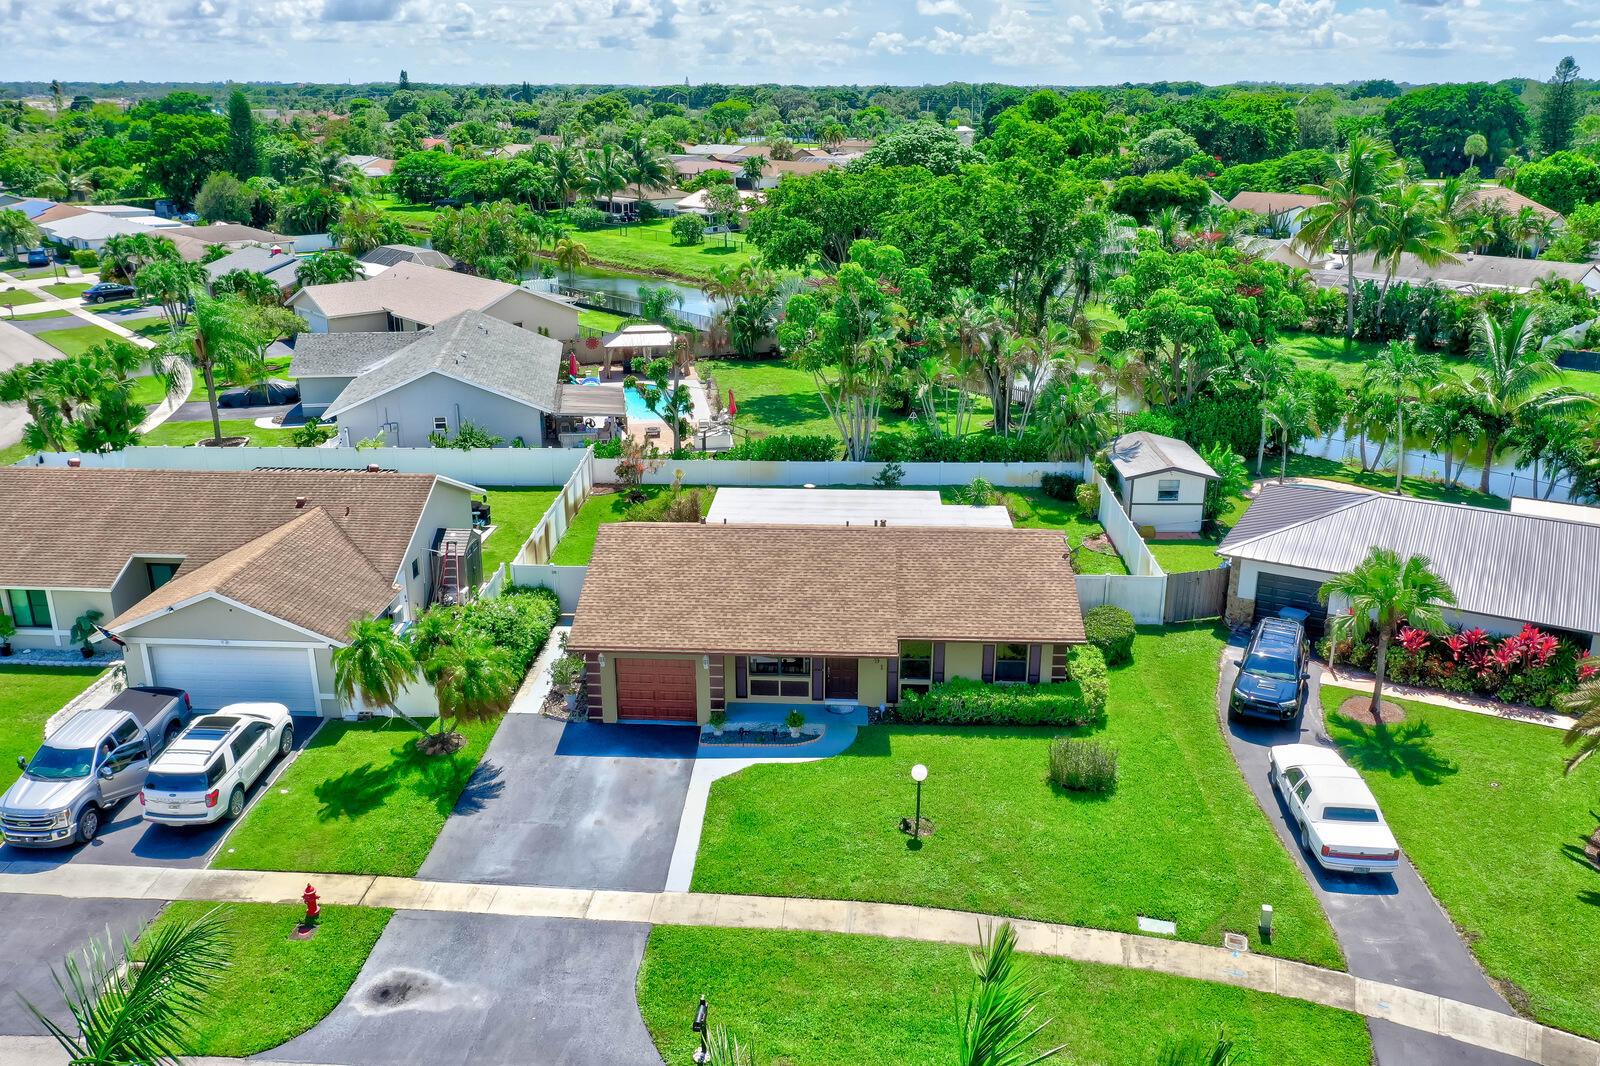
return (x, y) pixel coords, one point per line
(218, 674)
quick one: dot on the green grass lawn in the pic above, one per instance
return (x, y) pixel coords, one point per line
(66, 290)
(183, 434)
(1032, 509)
(12, 454)
(515, 512)
(150, 391)
(649, 247)
(1185, 556)
(17, 298)
(77, 339)
(1422, 488)
(360, 799)
(1181, 838)
(417, 217)
(55, 312)
(818, 999)
(1346, 361)
(277, 987)
(29, 695)
(16, 269)
(577, 544)
(604, 321)
(1485, 813)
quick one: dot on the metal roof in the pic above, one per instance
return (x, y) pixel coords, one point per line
(1523, 567)
(1141, 454)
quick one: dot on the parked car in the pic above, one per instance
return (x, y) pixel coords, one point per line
(1340, 824)
(95, 760)
(108, 290)
(38, 257)
(204, 775)
(1273, 677)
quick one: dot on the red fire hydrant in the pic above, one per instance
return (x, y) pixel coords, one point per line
(312, 910)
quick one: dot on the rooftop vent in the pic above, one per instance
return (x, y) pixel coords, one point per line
(299, 503)
(373, 468)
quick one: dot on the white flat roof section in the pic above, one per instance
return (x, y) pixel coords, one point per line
(841, 507)
(1569, 512)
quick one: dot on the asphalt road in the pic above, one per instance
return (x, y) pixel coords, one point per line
(1391, 928)
(570, 805)
(485, 990)
(18, 346)
(37, 933)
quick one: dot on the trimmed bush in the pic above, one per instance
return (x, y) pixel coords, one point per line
(1111, 630)
(688, 229)
(1059, 487)
(1082, 765)
(1088, 496)
(963, 701)
(1087, 666)
(786, 447)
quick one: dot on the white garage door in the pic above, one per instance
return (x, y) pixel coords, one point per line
(216, 675)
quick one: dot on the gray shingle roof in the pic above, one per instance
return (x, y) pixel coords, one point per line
(471, 347)
(283, 268)
(389, 254)
(1141, 454)
(340, 355)
(1540, 570)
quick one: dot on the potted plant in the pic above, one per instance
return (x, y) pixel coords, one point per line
(7, 627)
(84, 630)
(567, 678)
(718, 719)
(794, 721)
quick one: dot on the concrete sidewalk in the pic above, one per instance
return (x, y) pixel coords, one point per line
(1473, 1025)
(1511, 712)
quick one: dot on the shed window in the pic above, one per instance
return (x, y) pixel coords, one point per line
(1167, 490)
(30, 608)
(1011, 662)
(441, 424)
(416, 568)
(788, 675)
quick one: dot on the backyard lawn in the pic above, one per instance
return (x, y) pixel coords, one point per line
(604, 321)
(648, 247)
(514, 512)
(277, 987)
(183, 434)
(1185, 556)
(1181, 837)
(1482, 808)
(577, 544)
(360, 799)
(1346, 361)
(76, 340)
(1422, 488)
(29, 695)
(17, 297)
(817, 999)
(1032, 509)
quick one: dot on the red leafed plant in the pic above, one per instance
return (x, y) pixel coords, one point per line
(1586, 669)
(1413, 639)
(1463, 643)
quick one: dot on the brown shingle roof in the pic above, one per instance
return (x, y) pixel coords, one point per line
(822, 591)
(1272, 203)
(67, 528)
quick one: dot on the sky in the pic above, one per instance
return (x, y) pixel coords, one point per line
(911, 42)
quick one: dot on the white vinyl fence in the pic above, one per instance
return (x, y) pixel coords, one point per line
(1143, 597)
(565, 581)
(541, 543)
(479, 466)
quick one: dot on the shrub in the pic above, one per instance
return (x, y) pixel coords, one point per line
(980, 493)
(786, 447)
(586, 218)
(1530, 666)
(676, 505)
(963, 701)
(1087, 666)
(1088, 496)
(920, 446)
(688, 229)
(519, 619)
(1151, 421)
(86, 259)
(1110, 629)
(890, 476)
(1059, 486)
(1082, 765)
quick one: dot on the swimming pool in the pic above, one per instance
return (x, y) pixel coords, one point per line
(636, 406)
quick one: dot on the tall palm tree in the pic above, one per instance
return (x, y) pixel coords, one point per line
(607, 172)
(1382, 592)
(997, 1020)
(133, 1002)
(647, 168)
(374, 667)
(1293, 414)
(222, 335)
(17, 231)
(474, 679)
(1399, 368)
(1585, 732)
(1268, 370)
(752, 167)
(1407, 223)
(566, 172)
(1350, 201)
(172, 283)
(1511, 365)
(569, 255)
(1076, 416)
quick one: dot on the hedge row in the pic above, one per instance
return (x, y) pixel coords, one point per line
(963, 701)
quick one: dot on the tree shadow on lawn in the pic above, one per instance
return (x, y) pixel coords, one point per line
(1398, 751)
(355, 792)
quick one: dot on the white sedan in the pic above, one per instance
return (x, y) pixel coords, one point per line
(1340, 823)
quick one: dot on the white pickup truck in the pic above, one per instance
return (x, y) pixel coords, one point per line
(1340, 824)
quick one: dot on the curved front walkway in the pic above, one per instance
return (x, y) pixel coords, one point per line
(1476, 1026)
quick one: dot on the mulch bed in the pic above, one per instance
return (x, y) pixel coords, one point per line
(1359, 709)
(1099, 543)
(1592, 849)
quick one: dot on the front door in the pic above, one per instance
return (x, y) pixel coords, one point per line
(842, 679)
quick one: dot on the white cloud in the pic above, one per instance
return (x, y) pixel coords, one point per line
(934, 8)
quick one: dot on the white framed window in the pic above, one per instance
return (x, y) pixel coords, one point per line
(1167, 490)
(441, 424)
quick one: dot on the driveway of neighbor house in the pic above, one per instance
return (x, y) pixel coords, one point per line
(37, 934)
(1391, 928)
(581, 805)
(480, 990)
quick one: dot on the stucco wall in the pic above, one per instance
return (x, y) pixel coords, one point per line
(318, 393)
(371, 322)
(536, 314)
(408, 413)
(1184, 515)
(448, 507)
(65, 607)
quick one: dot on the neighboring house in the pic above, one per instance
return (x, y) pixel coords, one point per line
(233, 234)
(1511, 202)
(695, 202)
(812, 616)
(691, 166)
(91, 230)
(385, 256)
(56, 212)
(280, 266)
(120, 210)
(370, 166)
(1467, 273)
(625, 202)
(410, 296)
(470, 368)
(1288, 206)
(31, 207)
(1506, 569)
(1161, 481)
(231, 585)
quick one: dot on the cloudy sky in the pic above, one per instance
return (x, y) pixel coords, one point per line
(798, 41)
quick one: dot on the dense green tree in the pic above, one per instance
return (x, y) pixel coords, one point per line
(224, 198)
(491, 238)
(1164, 149)
(1562, 181)
(1239, 128)
(363, 226)
(422, 177)
(1559, 107)
(242, 158)
(920, 144)
(1431, 124)
(183, 149)
(1142, 196)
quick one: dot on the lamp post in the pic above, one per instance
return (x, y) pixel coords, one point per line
(919, 774)
(702, 1054)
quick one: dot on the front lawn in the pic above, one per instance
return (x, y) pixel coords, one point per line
(54, 312)
(77, 339)
(603, 508)
(277, 987)
(29, 695)
(817, 999)
(360, 799)
(184, 434)
(1181, 838)
(649, 247)
(17, 269)
(17, 298)
(1482, 808)
(67, 290)
(514, 512)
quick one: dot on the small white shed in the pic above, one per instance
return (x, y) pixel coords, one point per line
(1161, 481)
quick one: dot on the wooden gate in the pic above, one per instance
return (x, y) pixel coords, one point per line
(1198, 594)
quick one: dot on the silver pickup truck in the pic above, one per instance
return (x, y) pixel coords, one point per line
(93, 762)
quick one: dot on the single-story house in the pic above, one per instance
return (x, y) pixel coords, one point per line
(231, 585)
(121, 210)
(507, 381)
(56, 212)
(1161, 481)
(625, 202)
(1511, 202)
(409, 296)
(808, 616)
(90, 230)
(31, 207)
(1467, 273)
(696, 204)
(1505, 569)
(282, 267)
(370, 166)
(233, 234)
(1287, 205)
(385, 256)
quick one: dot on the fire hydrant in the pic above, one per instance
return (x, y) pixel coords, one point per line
(312, 910)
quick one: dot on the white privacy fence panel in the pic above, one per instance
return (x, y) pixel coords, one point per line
(565, 581)
(478, 466)
(1120, 528)
(1143, 597)
(747, 473)
(541, 543)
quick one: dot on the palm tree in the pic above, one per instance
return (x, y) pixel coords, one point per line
(374, 667)
(1406, 223)
(1398, 368)
(647, 168)
(1076, 416)
(1292, 412)
(1350, 202)
(328, 268)
(1268, 369)
(1475, 148)
(569, 255)
(752, 167)
(566, 172)
(996, 1022)
(172, 283)
(1197, 1051)
(607, 172)
(257, 288)
(1168, 226)
(1585, 732)
(1455, 194)
(474, 680)
(1382, 592)
(17, 231)
(1511, 367)
(223, 335)
(832, 135)
(133, 1002)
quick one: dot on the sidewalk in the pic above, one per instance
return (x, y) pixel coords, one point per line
(1511, 712)
(1469, 1024)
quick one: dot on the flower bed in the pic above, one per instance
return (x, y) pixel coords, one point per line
(1532, 667)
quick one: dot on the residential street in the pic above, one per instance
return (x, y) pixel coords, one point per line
(1391, 928)
(36, 935)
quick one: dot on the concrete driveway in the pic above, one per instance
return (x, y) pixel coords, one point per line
(37, 933)
(459, 989)
(1391, 928)
(570, 805)
(126, 839)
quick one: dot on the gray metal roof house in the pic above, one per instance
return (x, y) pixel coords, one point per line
(1161, 481)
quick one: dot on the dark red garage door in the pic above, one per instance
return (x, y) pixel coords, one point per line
(655, 688)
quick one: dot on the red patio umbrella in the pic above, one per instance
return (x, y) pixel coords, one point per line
(572, 364)
(733, 407)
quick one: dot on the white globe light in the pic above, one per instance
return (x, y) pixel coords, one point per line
(919, 773)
